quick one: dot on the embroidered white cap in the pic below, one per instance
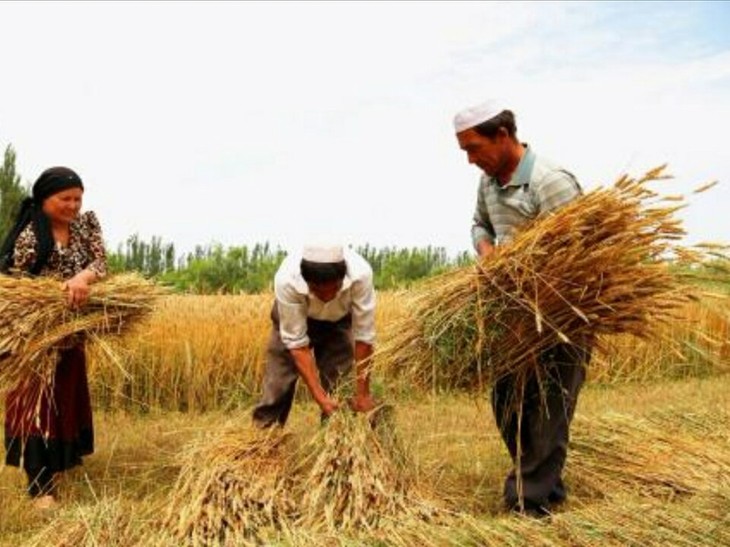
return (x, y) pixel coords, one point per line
(474, 115)
(323, 253)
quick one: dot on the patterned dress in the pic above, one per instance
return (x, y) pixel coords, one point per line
(56, 431)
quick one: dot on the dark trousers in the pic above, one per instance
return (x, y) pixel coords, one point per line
(545, 423)
(333, 352)
(40, 481)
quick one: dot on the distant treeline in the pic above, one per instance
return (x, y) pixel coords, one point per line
(215, 269)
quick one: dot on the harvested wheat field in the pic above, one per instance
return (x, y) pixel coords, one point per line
(649, 465)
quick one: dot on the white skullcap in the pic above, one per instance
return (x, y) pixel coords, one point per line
(474, 115)
(323, 253)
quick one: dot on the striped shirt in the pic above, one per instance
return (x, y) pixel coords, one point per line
(536, 187)
(296, 303)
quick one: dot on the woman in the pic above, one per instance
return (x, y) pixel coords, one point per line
(52, 431)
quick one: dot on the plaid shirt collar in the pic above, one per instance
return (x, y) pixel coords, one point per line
(521, 176)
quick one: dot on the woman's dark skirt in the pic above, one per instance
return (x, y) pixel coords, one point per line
(51, 433)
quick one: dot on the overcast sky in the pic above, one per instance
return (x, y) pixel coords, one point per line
(248, 122)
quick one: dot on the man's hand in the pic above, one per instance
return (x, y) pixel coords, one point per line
(484, 248)
(362, 403)
(328, 406)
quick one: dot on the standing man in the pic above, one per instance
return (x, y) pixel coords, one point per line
(518, 185)
(325, 300)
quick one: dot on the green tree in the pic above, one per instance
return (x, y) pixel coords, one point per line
(150, 259)
(231, 270)
(12, 192)
(393, 267)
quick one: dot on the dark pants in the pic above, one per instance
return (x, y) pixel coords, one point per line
(545, 423)
(333, 353)
(40, 481)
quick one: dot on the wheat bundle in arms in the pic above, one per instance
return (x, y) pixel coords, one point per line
(35, 319)
(599, 265)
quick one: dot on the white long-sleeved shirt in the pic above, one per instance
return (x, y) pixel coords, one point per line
(295, 303)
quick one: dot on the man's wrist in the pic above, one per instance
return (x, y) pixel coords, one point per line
(362, 386)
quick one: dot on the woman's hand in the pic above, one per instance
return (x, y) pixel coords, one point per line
(78, 290)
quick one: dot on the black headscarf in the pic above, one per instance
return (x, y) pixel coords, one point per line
(51, 181)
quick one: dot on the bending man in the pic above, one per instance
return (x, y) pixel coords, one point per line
(325, 300)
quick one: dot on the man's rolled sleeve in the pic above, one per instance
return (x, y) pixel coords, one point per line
(292, 310)
(363, 309)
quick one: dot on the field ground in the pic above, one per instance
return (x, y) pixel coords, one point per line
(649, 465)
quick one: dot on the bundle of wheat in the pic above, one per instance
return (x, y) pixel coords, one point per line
(599, 265)
(232, 488)
(35, 320)
(354, 476)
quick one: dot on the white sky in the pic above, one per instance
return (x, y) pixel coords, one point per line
(249, 122)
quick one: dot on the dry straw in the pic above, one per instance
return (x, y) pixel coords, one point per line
(250, 486)
(625, 454)
(109, 522)
(635, 479)
(607, 263)
(232, 488)
(354, 475)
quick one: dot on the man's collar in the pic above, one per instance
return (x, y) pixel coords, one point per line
(524, 168)
(523, 172)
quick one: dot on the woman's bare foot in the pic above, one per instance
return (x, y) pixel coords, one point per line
(45, 503)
